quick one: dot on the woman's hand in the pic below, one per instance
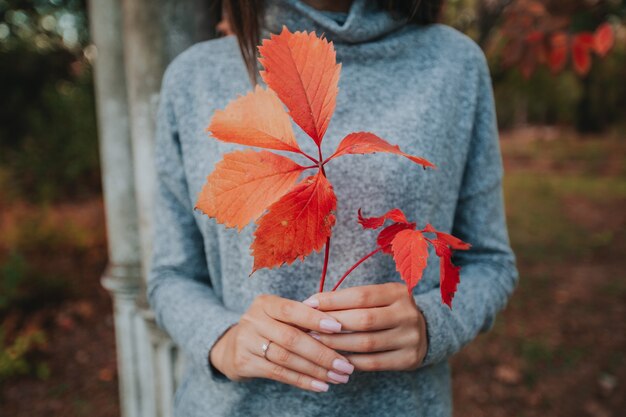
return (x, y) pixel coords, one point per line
(293, 357)
(389, 332)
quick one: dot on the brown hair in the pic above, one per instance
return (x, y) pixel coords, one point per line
(243, 18)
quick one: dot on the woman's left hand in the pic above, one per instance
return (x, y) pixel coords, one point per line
(388, 330)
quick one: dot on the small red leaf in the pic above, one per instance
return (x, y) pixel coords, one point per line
(386, 236)
(302, 69)
(296, 225)
(410, 253)
(581, 52)
(448, 239)
(449, 277)
(395, 215)
(603, 39)
(244, 183)
(366, 142)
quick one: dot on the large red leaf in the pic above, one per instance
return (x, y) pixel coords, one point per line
(256, 119)
(296, 225)
(449, 277)
(448, 239)
(410, 253)
(603, 39)
(244, 183)
(581, 52)
(302, 69)
(386, 236)
(395, 215)
(366, 142)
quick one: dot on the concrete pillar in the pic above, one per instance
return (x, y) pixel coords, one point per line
(135, 40)
(123, 275)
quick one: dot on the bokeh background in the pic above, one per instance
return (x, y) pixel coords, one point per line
(559, 76)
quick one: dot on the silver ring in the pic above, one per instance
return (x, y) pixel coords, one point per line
(265, 347)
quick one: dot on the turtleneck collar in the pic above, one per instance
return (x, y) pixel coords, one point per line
(364, 22)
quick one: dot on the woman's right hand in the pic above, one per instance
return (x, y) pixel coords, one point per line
(293, 357)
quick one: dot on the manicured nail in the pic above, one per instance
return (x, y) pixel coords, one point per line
(319, 386)
(343, 366)
(314, 335)
(312, 302)
(330, 325)
(338, 377)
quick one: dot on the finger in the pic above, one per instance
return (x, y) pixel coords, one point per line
(357, 297)
(281, 356)
(279, 373)
(364, 342)
(301, 315)
(304, 345)
(394, 360)
(367, 319)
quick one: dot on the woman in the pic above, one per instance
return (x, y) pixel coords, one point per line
(254, 347)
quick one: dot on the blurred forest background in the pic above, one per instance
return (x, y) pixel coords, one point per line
(559, 75)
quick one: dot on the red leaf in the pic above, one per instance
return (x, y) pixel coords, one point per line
(296, 225)
(386, 236)
(410, 253)
(603, 39)
(256, 119)
(395, 215)
(366, 142)
(535, 36)
(448, 273)
(302, 69)
(558, 51)
(448, 239)
(581, 52)
(244, 183)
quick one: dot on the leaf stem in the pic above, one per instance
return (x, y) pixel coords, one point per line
(353, 267)
(325, 267)
(306, 155)
(327, 246)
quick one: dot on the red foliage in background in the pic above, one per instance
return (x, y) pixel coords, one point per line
(535, 36)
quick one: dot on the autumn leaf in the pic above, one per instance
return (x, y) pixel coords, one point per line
(448, 239)
(409, 249)
(302, 69)
(256, 119)
(449, 273)
(386, 236)
(296, 224)
(558, 51)
(395, 215)
(410, 253)
(366, 142)
(244, 183)
(292, 221)
(581, 52)
(603, 39)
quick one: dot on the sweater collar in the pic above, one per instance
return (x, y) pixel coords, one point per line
(364, 22)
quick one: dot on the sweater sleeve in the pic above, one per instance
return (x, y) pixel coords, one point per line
(179, 289)
(488, 272)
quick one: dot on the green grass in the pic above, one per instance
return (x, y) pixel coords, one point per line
(541, 230)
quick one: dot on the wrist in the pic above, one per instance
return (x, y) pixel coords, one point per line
(219, 350)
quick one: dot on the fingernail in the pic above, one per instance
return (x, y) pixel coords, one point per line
(338, 377)
(314, 335)
(343, 366)
(330, 325)
(319, 386)
(312, 302)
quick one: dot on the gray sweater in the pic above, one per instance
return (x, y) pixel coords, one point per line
(425, 88)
